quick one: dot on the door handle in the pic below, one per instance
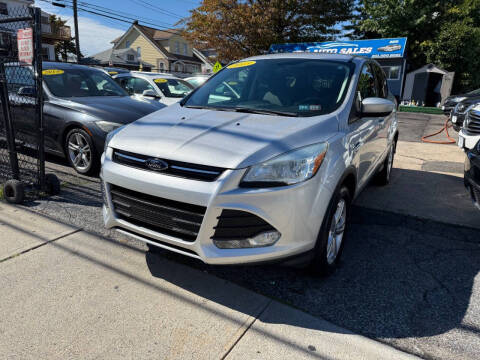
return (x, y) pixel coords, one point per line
(356, 147)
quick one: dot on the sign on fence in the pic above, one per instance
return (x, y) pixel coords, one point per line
(25, 45)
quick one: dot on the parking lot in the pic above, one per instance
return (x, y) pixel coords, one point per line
(409, 268)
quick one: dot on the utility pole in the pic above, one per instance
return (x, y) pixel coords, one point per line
(75, 21)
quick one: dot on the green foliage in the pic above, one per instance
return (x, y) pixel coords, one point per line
(421, 109)
(445, 33)
(62, 48)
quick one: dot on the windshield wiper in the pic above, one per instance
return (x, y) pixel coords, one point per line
(264, 111)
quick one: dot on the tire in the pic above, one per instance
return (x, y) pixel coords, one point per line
(382, 178)
(81, 153)
(326, 255)
(14, 191)
(52, 184)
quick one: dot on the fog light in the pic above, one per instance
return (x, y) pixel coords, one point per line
(261, 240)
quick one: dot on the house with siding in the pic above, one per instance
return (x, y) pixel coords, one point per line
(153, 50)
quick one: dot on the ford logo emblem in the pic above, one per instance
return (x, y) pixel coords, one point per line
(156, 164)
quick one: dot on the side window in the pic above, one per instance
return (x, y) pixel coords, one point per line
(126, 83)
(141, 85)
(366, 84)
(381, 81)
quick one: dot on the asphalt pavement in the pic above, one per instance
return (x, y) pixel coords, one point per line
(408, 278)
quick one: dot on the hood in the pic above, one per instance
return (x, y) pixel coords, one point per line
(119, 109)
(170, 100)
(220, 138)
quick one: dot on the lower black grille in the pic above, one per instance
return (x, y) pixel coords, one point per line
(170, 167)
(237, 225)
(472, 124)
(165, 216)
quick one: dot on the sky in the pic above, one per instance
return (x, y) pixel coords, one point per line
(96, 32)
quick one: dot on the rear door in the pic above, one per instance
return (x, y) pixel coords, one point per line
(384, 122)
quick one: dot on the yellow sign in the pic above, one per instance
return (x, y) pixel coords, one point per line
(52, 72)
(241, 64)
(217, 67)
(160, 80)
(113, 72)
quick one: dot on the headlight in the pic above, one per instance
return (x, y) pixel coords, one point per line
(463, 108)
(109, 137)
(107, 126)
(287, 169)
(458, 99)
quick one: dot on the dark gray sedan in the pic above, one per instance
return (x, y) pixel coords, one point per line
(82, 105)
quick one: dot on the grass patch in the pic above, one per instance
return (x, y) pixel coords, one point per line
(421, 109)
(1, 193)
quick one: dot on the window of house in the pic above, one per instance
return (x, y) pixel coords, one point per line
(45, 54)
(3, 8)
(127, 43)
(392, 72)
(130, 57)
(177, 47)
(185, 49)
(45, 20)
(139, 51)
(161, 65)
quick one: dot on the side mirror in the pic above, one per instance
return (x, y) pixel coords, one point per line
(149, 93)
(374, 106)
(29, 91)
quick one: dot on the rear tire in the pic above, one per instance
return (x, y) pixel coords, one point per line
(383, 176)
(81, 153)
(331, 238)
(14, 191)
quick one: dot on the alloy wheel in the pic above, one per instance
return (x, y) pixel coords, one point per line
(79, 151)
(337, 230)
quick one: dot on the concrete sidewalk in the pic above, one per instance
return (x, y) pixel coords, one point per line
(76, 295)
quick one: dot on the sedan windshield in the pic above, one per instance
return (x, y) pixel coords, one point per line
(81, 83)
(291, 87)
(174, 88)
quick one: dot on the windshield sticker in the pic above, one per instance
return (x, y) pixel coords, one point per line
(160, 80)
(113, 72)
(241, 64)
(52, 72)
(309, 107)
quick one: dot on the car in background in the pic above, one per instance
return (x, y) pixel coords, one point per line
(264, 169)
(451, 101)
(197, 80)
(460, 110)
(469, 134)
(165, 88)
(472, 174)
(112, 71)
(81, 106)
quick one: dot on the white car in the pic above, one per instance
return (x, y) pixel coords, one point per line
(469, 135)
(259, 164)
(197, 80)
(166, 88)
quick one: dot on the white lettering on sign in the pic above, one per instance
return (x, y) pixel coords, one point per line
(25, 45)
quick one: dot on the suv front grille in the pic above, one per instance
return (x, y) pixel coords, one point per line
(237, 225)
(175, 168)
(164, 216)
(473, 124)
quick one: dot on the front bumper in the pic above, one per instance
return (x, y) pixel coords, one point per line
(295, 211)
(472, 177)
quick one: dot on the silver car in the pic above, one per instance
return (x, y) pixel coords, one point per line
(259, 164)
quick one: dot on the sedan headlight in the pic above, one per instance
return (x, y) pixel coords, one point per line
(287, 169)
(110, 135)
(107, 126)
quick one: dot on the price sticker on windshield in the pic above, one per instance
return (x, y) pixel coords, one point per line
(241, 64)
(113, 72)
(52, 72)
(160, 81)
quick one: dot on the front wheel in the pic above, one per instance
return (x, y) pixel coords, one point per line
(81, 152)
(383, 177)
(331, 238)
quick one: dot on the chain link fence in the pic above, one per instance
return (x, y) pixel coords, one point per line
(22, 158)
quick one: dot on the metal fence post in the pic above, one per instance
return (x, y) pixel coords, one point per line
(37, 34)
(8, 123)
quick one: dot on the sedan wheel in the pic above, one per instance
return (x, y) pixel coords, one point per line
(80, 151)
(337, 229)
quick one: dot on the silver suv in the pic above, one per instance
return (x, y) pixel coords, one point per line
(259, 164)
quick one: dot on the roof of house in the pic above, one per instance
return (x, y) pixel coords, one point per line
(156, 36)
(114, 57)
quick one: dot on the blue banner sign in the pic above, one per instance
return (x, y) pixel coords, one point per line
(374, 48)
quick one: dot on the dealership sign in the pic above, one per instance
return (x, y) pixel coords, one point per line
(374, 48)
(25, 45)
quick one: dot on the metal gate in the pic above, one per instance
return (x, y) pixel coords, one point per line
(22, 157)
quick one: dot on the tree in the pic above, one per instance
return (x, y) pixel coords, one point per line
(63, 48)
(445, 33)
(238, 28)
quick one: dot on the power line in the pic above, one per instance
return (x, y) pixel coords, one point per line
(149, 6)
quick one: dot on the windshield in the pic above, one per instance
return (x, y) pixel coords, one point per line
(174, 88)
(197, 81)
(295, 87)
(81, 83)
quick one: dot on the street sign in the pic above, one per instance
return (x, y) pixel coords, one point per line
(217, 67)
(25, 45)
